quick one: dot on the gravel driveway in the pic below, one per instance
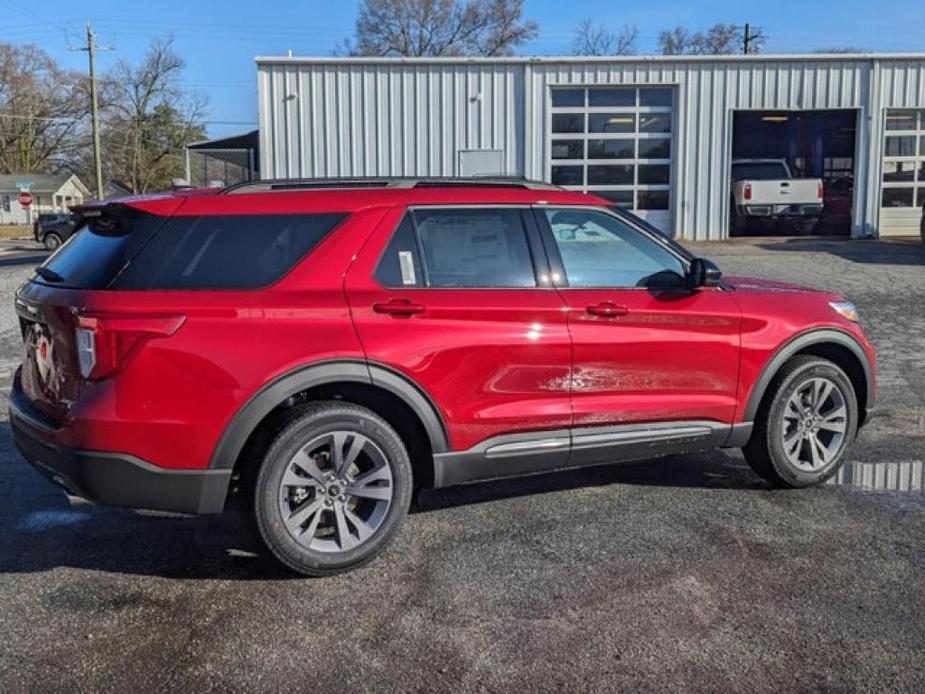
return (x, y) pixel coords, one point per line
(678, 574)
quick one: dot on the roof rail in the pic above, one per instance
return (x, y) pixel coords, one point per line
(290, 184)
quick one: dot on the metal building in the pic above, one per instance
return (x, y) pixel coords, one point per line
(654, 133)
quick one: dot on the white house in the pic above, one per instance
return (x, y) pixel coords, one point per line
(50, 193)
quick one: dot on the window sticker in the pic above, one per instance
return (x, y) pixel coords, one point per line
(406, 262)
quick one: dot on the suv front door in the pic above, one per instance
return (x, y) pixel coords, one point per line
(458, 301)
(645, 348)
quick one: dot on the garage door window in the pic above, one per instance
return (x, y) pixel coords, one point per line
(904, 159)
(614, 142)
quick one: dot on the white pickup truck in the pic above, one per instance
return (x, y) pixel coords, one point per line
(765, 188)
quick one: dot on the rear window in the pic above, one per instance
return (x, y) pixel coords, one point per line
(759, 171)
(93, 257)
(142, 251)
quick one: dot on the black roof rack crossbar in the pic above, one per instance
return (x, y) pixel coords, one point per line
(289, 184)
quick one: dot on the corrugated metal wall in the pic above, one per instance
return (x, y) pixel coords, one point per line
(322, 117)
(386, 120)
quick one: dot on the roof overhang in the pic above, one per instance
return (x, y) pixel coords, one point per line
(246, 140)
(583, 60)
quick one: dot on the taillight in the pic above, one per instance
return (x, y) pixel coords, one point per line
(86, 350)
(747, 192)
(821, 191)
(105, 344)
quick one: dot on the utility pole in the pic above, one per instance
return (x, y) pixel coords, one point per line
(749, 38)
(91, 48)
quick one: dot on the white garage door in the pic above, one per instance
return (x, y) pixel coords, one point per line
(903, 173)
(617, 143)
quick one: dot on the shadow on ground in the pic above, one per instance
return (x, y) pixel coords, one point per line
(904, 251)
(40, 530)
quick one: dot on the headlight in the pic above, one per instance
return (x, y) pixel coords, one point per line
(845, 309)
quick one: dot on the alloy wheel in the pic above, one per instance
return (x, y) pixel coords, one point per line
(336, 492)
(815, 423)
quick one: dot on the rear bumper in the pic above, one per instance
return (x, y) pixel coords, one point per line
(119, 479)
(777, 211)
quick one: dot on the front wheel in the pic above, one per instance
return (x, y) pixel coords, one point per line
(333, 488)
(804, 427)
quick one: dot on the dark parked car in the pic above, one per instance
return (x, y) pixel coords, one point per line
(53, 229)
(316, 350)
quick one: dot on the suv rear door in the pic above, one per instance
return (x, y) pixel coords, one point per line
(459, 301)
(645, 349)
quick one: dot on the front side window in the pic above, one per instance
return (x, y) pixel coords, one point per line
(457, 248)
(598, 250)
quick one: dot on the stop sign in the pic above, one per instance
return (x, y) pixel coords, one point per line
(25, 198)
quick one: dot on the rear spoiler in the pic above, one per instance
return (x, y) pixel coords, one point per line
(108, 218)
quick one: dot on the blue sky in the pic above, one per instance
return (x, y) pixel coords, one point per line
(220, 39)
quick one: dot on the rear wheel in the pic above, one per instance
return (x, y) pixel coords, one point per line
(333, 488)
(52, 241)
(804, 427)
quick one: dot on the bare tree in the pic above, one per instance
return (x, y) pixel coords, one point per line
(720, 39)
(147, 119)
(596, 39)
(42, 112)
(440, 28)
(675, 41)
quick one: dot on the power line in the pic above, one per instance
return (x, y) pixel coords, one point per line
(16, 116)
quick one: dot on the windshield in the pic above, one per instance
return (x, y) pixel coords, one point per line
(759, 171)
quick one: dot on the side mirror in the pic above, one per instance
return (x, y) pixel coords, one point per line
(703, 273)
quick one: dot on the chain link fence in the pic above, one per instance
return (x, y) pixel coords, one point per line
(207, 167)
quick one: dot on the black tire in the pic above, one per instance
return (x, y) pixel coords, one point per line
(307, 423)
(52, 241)
(765, 450)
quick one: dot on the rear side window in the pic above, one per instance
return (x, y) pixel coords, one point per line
(225, 252)
(400, 265)
(460, 248)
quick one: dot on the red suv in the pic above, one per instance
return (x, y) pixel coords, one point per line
(320, 349)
